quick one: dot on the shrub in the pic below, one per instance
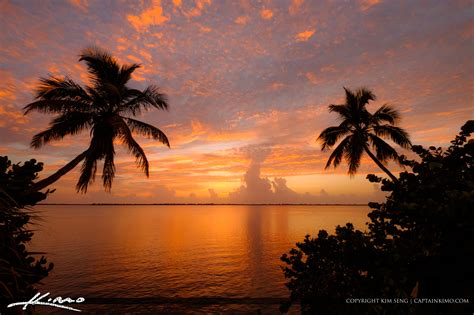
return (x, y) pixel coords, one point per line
(419, 241)
(20, 270)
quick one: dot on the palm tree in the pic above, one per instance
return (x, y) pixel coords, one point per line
(361, 130)
(104, 107)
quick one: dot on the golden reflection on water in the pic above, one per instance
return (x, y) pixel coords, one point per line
(186, 251)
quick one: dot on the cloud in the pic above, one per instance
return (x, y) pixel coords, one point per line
(197, 10)
(295, 6)
(255, 189)
(81, 4)
(367, 4)
(13, 115)
(304, 36)
(205, 29)
(266, 14)
(258, 189)
(241, 20)
(149, 17)
(312, 77)
(213, 195)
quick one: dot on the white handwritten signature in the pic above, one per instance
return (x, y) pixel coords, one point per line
(56, 302)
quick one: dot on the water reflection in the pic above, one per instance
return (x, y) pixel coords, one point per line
(187, 251)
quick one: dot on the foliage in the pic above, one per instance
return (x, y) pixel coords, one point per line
(360, 129)
(105, 107)
(418, 244)
(19, 269)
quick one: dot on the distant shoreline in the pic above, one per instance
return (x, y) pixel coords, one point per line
(202, 204)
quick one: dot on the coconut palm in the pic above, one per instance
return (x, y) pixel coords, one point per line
(360, 130)
(105, 107)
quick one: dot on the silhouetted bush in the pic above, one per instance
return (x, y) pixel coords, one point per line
(20, 270)
(419, 242)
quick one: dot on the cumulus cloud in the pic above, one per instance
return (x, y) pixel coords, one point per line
(241, 20)
(312, 77)
(81, 4)
(150, 16)
(197, 10)
(255, 189)
(259, 189)
(266, 14)
(295, 6)
(304, 36)
(367, 4)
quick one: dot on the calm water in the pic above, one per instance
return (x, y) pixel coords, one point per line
(177, 251)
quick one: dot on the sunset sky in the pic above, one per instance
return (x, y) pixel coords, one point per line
(248, 83)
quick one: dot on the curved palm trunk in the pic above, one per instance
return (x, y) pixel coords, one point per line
(59, 173)
(380, 164)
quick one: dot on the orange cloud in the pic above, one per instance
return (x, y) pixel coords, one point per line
(12, 115)
(242, 20)
(134, 59)
(312, 77)
(328, 68)
(295, 6)
(205, 29)
(266, 14)
(367, 4)
(304, 36)
(277, 85)
(6, 94)
(151, 16)
(197, 11)
(81, 4)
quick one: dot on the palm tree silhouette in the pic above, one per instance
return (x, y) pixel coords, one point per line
(104, 107)
(362, 129)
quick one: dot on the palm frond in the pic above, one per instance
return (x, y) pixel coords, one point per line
(130, 93)
(396, 134)
(100, 100)
(343, 110)
(101, 65)
(353, 153)
(351, 99)
(331, 135)
(383, 150)
(69, 123)
(101, 145)
(88, 171)
(134, 148)
(108, 172)
(386, 113)
(125, 73)
(336, 155)
(363, 96)
(355, 110)
(55, 88)
(149, 98)
(57, 106)
(147, 130)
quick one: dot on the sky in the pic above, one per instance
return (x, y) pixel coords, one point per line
(248, 82)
